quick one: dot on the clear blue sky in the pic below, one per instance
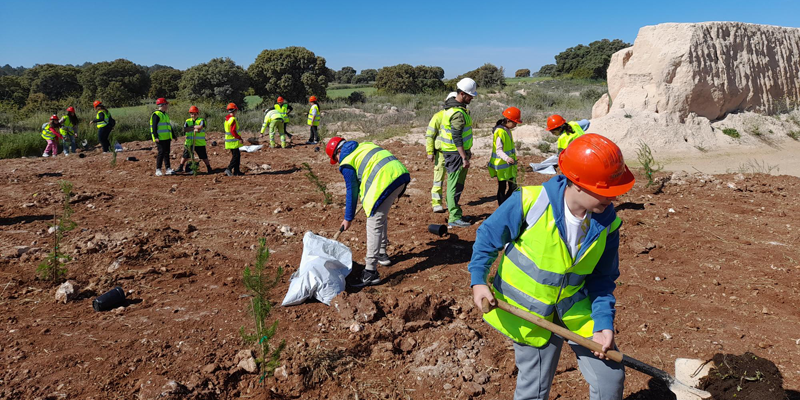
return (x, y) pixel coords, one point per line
(456, 35)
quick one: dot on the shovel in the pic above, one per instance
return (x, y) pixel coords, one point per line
(341, 228)
(681, 390)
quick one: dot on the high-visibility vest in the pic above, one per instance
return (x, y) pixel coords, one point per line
(446, 131)
(539, 275)
(46, 134)
(102, 115)
(433, 129)
(196, 138)
(231, 142)
(284, 110)
(67, 129)
(376, 169)
(313, 115)
(566, 138)
(497, 166)
(164, 128)
(272, 115)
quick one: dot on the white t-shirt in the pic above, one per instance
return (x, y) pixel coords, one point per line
(576, 229)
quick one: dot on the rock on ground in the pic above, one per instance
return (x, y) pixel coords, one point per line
(66, 292)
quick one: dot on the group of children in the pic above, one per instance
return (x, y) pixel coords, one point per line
(60, 129)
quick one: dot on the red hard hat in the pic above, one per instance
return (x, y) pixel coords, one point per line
(312, 98)
(193, 109)
(330, 149)
(595, 163)
(513, 114)
(555, 121)
(97, 103)
(54, 118)
(70, 109)
(231, 106)
(161, 101)
(280, 99)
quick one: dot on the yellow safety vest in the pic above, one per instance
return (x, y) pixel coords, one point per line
(538, 274)
(164, 128)
(313, 119)
(284, 110)
(196, 138)
(566, 138)
(446, 131)
(273, 116)
(376, 169)
(497, 166)
(104, 119)
(46, 134)
(433, 130)
(230, 141)
(67, 128)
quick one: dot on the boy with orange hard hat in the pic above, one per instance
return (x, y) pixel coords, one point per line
(313, 120)
(566, 131)
(560, 263)
(195, 128)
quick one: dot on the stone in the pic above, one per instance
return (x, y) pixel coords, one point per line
(601, 107)
(115, 265)
(266, 167)
(66, 292)
(472, 389)
(356, 327)
(191, 228)
(286, 230)
(248, 364)
(20, 250)
(281, 374)
(210, 368)
(356, 306)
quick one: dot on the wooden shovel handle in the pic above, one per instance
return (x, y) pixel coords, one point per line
(341, 228)
(558, 330)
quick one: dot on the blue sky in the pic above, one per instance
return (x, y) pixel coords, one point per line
(456, 35)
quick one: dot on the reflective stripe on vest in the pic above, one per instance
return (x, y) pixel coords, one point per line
(46, 134)
(446, 131)
(104, 119)
(538, 274)
(231, 142)
(66, 126)
(566, 138)
(433, 129)
(196, 138)
(164, 128)
(283, 110)
(498, 167)
(313, 120)
(376, 169)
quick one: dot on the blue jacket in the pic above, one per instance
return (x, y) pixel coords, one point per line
(354, 186)
(506, 225)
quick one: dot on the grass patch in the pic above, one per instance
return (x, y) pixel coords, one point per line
(649, 164)
(795, 135)
(529, 79)
(345, 92)
(757, 167)
(732, 133)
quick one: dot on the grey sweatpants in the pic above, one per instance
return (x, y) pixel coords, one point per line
(377, 232)
(537, 367)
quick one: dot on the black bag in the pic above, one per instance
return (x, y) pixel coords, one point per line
(111, 122)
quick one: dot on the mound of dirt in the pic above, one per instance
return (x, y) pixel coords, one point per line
(744, 377)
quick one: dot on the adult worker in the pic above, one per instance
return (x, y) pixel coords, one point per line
(275, 122)
(161, 132)
(69, 130)
(503, 162)
(102, 120)
(376, 177)
(284, 109)
(50, 133)
(560, 262)
(233, 141)
(195, 128)
(456, 137)
(433, 147)
(313, 120)
(566, 131)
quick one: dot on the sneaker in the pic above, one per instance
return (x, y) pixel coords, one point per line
(66, 154)
(384, 260)
(228, 172)
(238, 173)
(158, 172)
(45, 155)
(271, 145)
(170, 171)
(367, 278)
(310, 142)
(458, 224)
(180, 168)
(438, 209)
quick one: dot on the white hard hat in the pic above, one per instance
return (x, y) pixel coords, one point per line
(452, 95)
(468, 86)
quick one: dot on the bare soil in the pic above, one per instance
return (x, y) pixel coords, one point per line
(708, 265)
(747, 377)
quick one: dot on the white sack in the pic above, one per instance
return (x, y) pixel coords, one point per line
(323, 268)
(547, 166)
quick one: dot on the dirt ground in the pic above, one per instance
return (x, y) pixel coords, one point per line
(708, 265)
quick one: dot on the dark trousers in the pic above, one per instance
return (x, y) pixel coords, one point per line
(102, 136)
(314, 134)
(236, 158)
(504, 190)
(163, 153)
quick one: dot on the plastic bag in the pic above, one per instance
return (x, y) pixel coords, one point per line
(323, 268)
(117, 147)
(547, 166)
(252, 148)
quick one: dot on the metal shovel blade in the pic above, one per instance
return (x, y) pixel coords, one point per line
(682, 390)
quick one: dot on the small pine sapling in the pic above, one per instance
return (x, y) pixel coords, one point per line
(52, 268)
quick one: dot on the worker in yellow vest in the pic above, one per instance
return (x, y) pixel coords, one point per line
(456, 138)
(284, 109)
(161, 132)
(375, 176)
(195, 129)
(503, 162)
(274, 121)
(560, 263)
(566, 131)
(313, 120)
(433, 147)
(69, 129)
(51, 133)
(103, 120)
(233, 141)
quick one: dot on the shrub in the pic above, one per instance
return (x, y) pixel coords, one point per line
(13, 90)
(486, 76)
(164, 83)
(732, 133)
(591, 94)
(588, 62)
(546, 70)
(219, 80)
(345, 75)
(118, 83)
(56, 82)
(403, 78)
(522, 73)
(366, 76)
(356, 97)
(649, 164)
(293, 72)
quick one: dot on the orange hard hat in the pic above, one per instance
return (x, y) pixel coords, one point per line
(70, 109)
(513, 114)
(280, 99)
(231, 106)
(193, 109)
(330, 149)
(555, 121)
(54, 117)
(595, 163)
(312, 98)
(97, 103)
(161, 101)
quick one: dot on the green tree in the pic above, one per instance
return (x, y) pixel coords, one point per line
(118, 83)
(522, 73)
(13, 90)
(487, 75)
(399, 78)
(366, 76)
(9, 70)
(589, 62)
(293, 72)
(164, 83)
(345, 75)
(219, 80)
(546, 70)
(156, 67)
(56, 82)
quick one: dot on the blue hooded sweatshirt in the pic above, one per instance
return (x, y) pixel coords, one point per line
(506, 225)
